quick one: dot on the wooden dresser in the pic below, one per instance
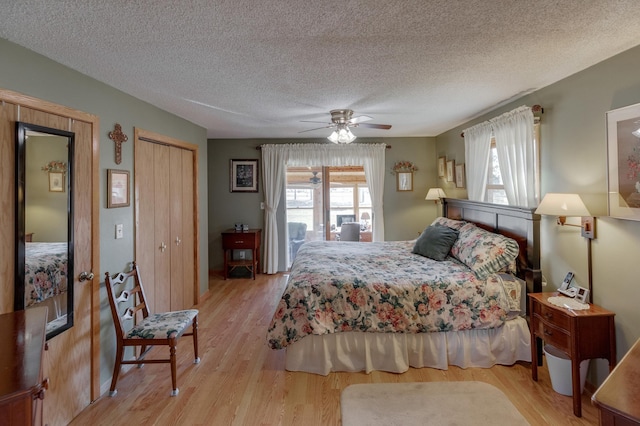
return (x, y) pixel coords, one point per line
(21, 383)
(581, 334)
(618, 398)
(241, 240)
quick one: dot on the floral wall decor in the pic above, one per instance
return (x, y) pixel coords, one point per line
(403, 166)
(55, 166)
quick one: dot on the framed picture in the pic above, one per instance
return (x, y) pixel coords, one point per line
(117, 188)
(441, 166)
(460, 178)
(404, 181)
(451, 164)
(56, 182)
(623, 147)
(243, 176)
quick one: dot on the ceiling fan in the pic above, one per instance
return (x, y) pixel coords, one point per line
(341, 121)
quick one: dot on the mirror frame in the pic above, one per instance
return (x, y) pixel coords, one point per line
(20, 211)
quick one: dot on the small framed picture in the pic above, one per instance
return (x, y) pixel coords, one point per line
(243, 176)
(460, 178)
(441, 166)
(404, 181)
(117, 188)
(451, 164)
(56, 182)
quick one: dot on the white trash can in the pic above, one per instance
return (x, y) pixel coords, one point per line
(559, 366)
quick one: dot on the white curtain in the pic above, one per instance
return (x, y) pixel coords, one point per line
(516, 150)
(477, 147)
(273, 178)
(370, 156)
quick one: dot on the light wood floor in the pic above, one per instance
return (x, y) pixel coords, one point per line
(240, 381)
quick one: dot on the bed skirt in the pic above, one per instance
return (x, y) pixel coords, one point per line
(395, 353)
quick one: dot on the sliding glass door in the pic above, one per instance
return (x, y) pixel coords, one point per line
(320, 199)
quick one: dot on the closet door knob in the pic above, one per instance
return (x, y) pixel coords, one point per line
(163, 246)
(178, 241)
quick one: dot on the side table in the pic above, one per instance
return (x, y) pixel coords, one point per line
(238, 240)
(581, 334)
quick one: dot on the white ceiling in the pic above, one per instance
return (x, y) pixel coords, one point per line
(257, 68)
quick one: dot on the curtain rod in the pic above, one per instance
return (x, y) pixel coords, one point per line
(259, 147)
(537, 112)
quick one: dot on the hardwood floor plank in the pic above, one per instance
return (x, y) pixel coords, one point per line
(240, 381)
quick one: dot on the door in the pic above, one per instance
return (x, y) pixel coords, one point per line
(71, 362)
(166, 216)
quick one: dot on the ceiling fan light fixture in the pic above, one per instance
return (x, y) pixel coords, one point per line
(342, 135)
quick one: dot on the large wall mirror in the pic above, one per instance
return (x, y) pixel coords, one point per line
(44, 223)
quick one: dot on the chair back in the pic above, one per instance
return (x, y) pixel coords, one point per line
(350, 231)
(134, 296)
(297, 231)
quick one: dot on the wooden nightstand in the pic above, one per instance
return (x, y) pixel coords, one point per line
(238, 240)
(584, 334)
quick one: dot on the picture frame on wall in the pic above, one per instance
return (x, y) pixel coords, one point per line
(404, 181)
(243, 176)
(451, 164)
(623, 148)
(56, 182)
(117, 188)
(460, 177)
(442, 166)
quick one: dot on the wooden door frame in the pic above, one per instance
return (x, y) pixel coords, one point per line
(149, 136)
(73, 114)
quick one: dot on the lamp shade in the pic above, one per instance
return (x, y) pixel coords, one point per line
(562, 205)
(435, 194)
(365, 216)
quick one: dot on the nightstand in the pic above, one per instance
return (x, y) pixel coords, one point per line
(238, 240)
(581, 334)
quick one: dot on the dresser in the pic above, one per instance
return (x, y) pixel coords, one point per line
(618, 398)
(581, 334)
(241, 240)
(21, 383)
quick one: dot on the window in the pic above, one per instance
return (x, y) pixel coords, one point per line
(496, 193)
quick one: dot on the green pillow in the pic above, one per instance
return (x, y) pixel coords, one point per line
(435, 242)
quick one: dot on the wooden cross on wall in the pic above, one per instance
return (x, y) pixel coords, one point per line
(118, 137)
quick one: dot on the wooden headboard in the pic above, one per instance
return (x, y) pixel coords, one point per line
(519, 223)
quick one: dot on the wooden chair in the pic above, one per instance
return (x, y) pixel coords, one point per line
(149, 330)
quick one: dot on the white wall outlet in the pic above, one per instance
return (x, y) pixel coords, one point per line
(119, 231)
(241, 254)
(262, 205)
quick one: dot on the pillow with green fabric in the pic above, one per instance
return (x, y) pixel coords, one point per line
(435, 242)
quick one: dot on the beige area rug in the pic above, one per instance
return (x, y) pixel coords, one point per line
(428, 403)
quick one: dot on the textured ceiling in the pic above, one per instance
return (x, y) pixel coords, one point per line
(257, 68)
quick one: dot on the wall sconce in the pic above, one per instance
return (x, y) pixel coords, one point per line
(435, 194)
(563, 205)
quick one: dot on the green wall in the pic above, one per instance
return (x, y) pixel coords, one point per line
(31, 74)
(405, 213)
(574, 159)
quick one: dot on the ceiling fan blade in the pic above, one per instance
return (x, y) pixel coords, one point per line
(317, 128)
(375, 126)
(360, 119)
(309, 121)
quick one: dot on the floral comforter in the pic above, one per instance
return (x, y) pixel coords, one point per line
(381, 287)
(45, 273)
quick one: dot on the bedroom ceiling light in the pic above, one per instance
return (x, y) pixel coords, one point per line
(435, 194)
(342, 135)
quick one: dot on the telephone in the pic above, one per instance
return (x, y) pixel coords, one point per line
(577, 292)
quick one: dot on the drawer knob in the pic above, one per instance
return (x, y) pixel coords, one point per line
(548, 315)
(547, 332)
(239, 242)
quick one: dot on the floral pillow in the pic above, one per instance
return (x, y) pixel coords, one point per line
(449, 223)
(484, 252)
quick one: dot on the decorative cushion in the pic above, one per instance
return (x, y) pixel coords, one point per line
(451, 223)
(435, 242)
(484, 252)
(163, 326)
